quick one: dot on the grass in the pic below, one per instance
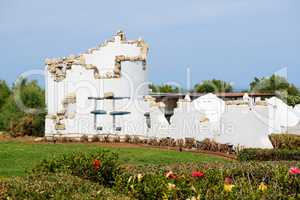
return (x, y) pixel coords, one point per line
(16, 157)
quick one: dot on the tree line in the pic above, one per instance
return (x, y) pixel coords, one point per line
(277, 85)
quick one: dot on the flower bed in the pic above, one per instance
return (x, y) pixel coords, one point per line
(252, 180)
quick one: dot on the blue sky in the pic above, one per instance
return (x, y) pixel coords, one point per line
(233, 40)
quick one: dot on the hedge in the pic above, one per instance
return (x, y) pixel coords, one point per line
(268, 154)
(285, 141)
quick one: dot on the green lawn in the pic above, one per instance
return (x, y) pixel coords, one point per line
(16, 157)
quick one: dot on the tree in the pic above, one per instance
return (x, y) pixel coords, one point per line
(293, 100)
(4, 93)
(269, 84)
(213, 86)
(14, 119)
(164, 88)
(30, 93)
(254, 83)
(279, 86)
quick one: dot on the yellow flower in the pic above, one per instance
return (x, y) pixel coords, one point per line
(228, 187)
(195, 198)
(140, 177)
(165, 196)
(171, 186)
(262, 187)
(129, 179)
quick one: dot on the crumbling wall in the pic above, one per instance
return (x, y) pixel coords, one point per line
(90, 72)
(58, 67)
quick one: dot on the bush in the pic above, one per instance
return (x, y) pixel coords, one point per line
(167, 141)
(211, 145)
(153, 142)
(54, 186)
(285, 141)
(101, 167)
(135, 140)
(268, 154)
(32, 125)
(189, 143)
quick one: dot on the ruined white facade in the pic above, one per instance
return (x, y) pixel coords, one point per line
(79, 90)
(104, 91)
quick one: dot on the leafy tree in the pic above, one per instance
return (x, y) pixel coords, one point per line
(293, 90)
(165, 88)
(4, 92)
(9, 114)
(30, 93)
(269, 84)
(293, 100)
(17, 120)
(213, 86)
(254, 83)
(279, 86)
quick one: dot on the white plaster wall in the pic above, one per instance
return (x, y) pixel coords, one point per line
(82, 82)
(281, 116)
(297, 110)
(160, 127)
(238, 125)
(187, 122)
(241, 126)
(212, 106)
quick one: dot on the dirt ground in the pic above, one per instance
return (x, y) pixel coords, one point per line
(5, 137)
(29, 139)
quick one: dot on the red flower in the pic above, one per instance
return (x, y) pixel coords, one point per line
(96, 164)
(197, 174)
(294, 171)
(228, 180)
(170, 175)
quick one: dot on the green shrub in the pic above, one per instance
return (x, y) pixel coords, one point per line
(268, 154)
(54, 186)
(285, 141)
(101, 166)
